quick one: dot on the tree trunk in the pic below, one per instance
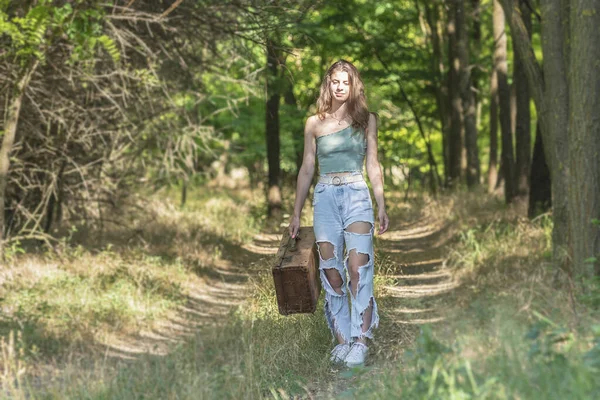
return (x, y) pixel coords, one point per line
(476, 70)
(500, 65)
(493, 165)
(10, 131)
(540, 195)
(523, 123)
(456, 123)
(297, 131)
(551, 103)
(584, 136)
(467, 98)
(432, 15)
(556, 98)
(272, 129)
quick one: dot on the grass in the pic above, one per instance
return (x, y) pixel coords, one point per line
(254, 353)
(102, 287)
(514, 329)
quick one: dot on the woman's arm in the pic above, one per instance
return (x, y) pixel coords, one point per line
(305, 175)
(374, 173)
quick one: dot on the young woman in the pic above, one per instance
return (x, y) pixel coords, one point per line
(341, 134)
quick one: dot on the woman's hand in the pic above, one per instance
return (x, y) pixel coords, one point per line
(384, 221)
(294, 226)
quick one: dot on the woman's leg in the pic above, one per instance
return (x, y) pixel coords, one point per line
(360, 264)
(333, 279)
(329, 235)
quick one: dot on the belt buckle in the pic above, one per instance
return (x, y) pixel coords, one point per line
(337, 181)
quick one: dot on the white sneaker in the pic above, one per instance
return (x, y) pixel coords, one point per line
(339, 352)
(357, 354)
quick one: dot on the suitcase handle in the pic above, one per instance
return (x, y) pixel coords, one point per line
(294, 241)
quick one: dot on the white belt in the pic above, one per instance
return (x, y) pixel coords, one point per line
(340, 180)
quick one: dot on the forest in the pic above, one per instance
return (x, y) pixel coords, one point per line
(148, 166)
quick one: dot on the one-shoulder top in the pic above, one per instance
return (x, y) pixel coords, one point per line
(342, 151)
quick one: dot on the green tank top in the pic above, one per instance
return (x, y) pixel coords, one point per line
(342, 151)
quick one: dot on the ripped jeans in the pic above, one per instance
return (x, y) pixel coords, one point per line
(336, 209)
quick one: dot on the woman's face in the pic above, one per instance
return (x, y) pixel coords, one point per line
(340, 86)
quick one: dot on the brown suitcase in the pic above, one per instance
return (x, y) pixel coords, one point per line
(296, 273)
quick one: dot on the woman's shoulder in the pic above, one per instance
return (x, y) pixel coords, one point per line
(314, 119)
(314, 123)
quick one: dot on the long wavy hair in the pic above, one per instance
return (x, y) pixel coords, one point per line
(356, 103)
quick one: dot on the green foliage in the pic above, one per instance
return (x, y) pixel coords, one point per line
(12, 250)
(46, 24)
(27, 34)
(590, 295)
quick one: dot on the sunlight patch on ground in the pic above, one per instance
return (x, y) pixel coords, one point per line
(412, 233)
(413, 250)
(420, 321)
(259, 249)
(423, 276)
(421, 290)
(411, 310)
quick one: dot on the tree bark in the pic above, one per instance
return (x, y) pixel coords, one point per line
(584, 135)
(551, 102)
(540, 195)
(500, 65)
(272, 128)
(297, 128)
(432, 16)
(467, 98)
(556, 97)
(493, 164)
(10, 131)
(456, 112)
(523, 118)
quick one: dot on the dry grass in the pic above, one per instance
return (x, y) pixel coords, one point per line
(108, 296)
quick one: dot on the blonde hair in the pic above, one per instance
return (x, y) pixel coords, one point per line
(356, 103)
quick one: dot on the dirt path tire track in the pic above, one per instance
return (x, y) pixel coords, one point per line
(225, 285)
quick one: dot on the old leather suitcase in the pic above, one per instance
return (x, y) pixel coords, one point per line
(296, 273)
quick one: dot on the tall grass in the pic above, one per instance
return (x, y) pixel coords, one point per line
(515, 330)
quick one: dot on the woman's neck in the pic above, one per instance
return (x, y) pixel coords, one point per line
(338, 108)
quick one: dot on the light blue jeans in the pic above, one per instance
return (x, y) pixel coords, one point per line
(335, 209)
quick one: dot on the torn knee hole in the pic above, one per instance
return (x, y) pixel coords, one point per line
(360, 227)
(335, 280)
(358, 259)
(326, 251)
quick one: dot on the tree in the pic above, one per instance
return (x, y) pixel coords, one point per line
(466, 93)
(438, 70)
(10, 130)
(566, 96)
(493, 162)
(275, 62)
(584, 134)
(456, 109)
(523, 117)
(501, 68)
